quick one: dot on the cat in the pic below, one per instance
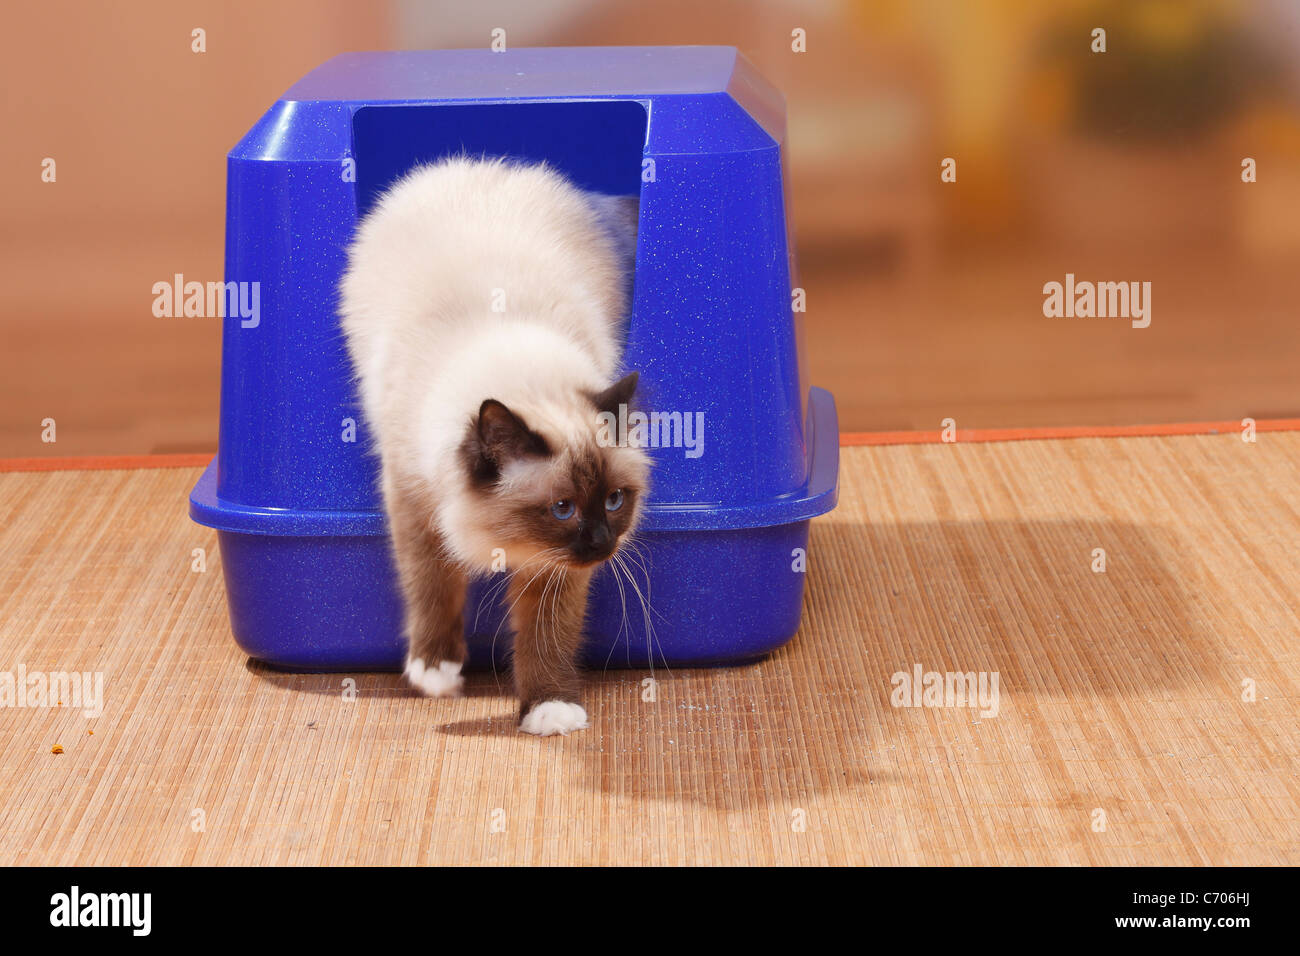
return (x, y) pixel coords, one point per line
(482, 306)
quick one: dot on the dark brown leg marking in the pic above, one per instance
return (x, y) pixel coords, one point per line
(547, 622)
(433, 588)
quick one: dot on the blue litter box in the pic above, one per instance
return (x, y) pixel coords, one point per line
(292, 493)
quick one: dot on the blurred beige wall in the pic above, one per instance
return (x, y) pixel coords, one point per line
(138, 126)
(925, 297)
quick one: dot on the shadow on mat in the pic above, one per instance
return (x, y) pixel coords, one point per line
(1017, 598)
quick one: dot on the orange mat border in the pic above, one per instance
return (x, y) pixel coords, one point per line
(105, 462)
(851, 439)
(847, 440)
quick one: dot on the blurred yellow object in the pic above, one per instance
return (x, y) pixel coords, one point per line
(1049, 98)
(1270, 129)
(1168, 24)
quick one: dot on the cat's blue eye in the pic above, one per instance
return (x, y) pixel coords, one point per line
(615, 500)
(563, 509)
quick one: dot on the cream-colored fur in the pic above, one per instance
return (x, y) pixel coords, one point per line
(441, 251)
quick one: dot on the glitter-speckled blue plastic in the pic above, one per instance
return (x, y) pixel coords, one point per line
(699, 135)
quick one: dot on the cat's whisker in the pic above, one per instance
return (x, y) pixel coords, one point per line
(550, 635)
(489, 596)
(642, 560)
(623, 624)
(617, 561)
(628, 646)
(522, 592)
(552, 582)
(652, 639)
(496, 587)
(556, 595)
(493, 594)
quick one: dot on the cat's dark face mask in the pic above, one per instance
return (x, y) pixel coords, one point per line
(574, 503)
(591, 523)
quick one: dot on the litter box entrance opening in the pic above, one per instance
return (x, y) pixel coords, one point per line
(598, 144)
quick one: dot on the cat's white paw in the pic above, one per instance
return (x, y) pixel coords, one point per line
(554, 717)
(441, 681)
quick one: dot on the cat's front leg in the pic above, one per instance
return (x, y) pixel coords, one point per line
(433, 595)
(547, 614)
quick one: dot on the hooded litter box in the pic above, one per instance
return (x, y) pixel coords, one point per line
(293, 493)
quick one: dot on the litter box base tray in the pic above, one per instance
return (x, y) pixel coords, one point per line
(314, 603)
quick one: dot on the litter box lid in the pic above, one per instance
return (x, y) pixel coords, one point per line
(713, 328)
(818, 496)
(530, 73)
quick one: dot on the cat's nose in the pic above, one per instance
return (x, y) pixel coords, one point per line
(598, 538)
(595, 543)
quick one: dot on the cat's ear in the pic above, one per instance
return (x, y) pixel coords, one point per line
(620, 393)
(502, 435)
